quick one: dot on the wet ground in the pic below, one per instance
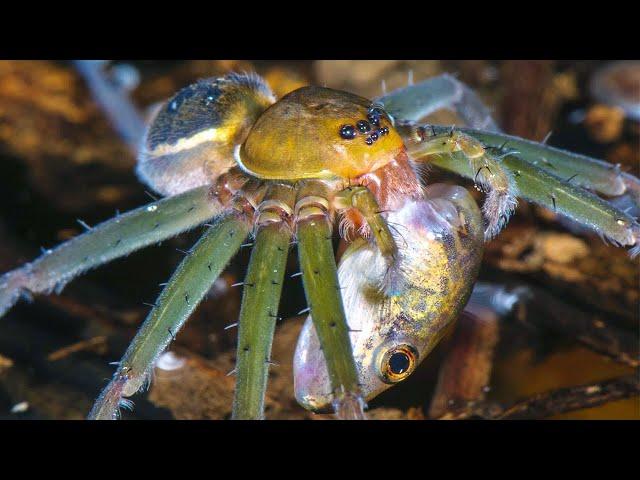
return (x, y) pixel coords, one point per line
(60, 160)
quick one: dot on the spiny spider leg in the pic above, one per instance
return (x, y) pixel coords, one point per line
(488, 172)
(528, 181)
(577, 204)
(260, 300)
(322, 288)
(364, 201)
(415, 102)
(587, 172)
(184, 291)
(114, 238)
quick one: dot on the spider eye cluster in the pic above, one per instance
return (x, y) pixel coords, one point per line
(369, 127)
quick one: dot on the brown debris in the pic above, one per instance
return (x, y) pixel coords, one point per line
(627, 155)
(203, 389)
(195, 391)
(547, 312)
(48, 120)
(5, 363)
(569, 399)
(594, 273)
(552, 403)
(365, 77)
(466, 370)
(604, 122)
(96, 344)
(529, 103)
(284, 80)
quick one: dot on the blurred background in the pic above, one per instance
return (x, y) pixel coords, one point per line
(61, 160)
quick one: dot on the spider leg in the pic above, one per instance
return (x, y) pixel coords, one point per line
(114, 238)
(184, 291)
(364, 201)
(322, 288)
(115, 102)
(580, 170)
(530, 182)
(414, 102)
(261, 296)
(468, 155)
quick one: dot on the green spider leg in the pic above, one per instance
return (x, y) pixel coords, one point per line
(485, 169)
(260, 299)
(262, 289)
(313, 229)
(324, 299)
(361, 199)
(182, 294)
(410, 104)
(580, 170)
(512, 174)
(414, 102)
(112, 239)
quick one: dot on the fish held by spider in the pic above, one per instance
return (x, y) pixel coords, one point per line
(440, 243)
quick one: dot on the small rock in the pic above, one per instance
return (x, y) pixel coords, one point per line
(562, 248)
(20, 407)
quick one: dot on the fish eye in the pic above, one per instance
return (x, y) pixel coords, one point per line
(398, 363)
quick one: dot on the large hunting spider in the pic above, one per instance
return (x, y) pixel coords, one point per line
(225, 153)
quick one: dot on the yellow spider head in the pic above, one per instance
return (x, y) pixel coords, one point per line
(316, 132)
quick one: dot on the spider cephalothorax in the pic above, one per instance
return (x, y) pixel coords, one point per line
(317, 132)
(230, 156)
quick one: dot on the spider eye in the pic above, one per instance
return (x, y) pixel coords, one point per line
(398, 363)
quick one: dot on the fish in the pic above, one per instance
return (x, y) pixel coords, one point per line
(440, 244)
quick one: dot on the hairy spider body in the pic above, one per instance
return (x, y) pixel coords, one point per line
(228, 155)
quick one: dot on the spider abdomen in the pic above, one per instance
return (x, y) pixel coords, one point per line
(190, 140)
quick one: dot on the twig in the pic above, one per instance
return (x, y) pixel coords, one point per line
(547, 312)
(466, 370)
(573, 398)
(96, 343)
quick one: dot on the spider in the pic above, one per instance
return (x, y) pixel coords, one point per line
(226, 154)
